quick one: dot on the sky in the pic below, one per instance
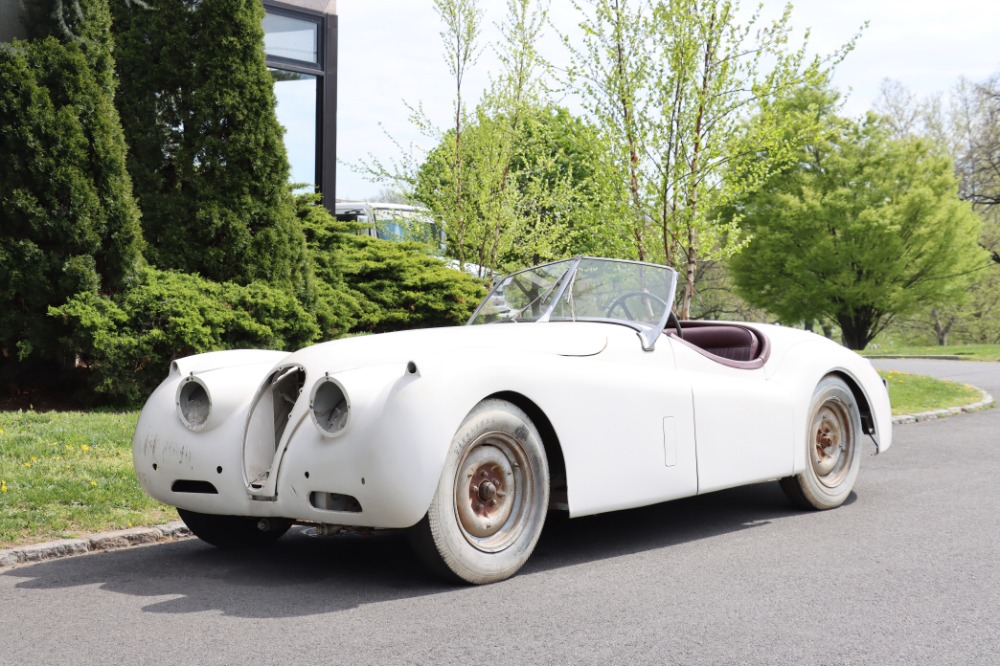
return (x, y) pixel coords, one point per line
(390, 55)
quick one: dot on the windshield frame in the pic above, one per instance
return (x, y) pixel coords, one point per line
(560, 292)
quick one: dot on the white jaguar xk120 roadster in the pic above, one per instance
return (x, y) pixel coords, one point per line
(572, 387)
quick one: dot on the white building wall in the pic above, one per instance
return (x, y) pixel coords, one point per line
(325, 6)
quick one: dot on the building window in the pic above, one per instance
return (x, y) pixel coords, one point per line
(297, 112)
(301, 49)
(291, 38)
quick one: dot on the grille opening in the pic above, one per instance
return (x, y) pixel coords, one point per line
(269, 418)
(285, 390)
(190, 486)
(334, 502)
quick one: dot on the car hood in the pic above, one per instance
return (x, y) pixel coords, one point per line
(563, 339)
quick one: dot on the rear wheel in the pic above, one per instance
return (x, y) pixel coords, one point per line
(833, 461)
(234, 531)
(487, 513)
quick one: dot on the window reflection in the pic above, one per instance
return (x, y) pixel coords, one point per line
(287, 37)
(296, 94)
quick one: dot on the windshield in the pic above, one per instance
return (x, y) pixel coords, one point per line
(585, 289)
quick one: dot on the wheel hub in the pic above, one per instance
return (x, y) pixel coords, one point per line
(830, 433)
(487, 491)
(484, 496)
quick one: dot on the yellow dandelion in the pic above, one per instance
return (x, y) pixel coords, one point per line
(85, 447)
(3, 489)
(34, 459)
(27, 465)
(93, 483)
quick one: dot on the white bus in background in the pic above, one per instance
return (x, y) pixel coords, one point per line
(393, 222)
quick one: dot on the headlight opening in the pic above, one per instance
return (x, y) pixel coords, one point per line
(194, 404)
(329, 406)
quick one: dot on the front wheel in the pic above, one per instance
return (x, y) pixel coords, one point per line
(832, 440)
(234, 531)
(489, 507)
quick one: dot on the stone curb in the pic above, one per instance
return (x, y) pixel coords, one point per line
(105, 541)
(985, 402)
(926, 357)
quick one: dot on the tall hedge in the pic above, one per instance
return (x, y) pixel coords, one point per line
(207, 155)
(68, 220)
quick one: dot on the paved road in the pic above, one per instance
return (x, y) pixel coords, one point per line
(908, 572)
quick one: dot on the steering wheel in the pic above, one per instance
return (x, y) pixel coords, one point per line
(645, 297)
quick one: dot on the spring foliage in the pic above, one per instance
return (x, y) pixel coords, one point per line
(863, 228)
(553, 202)
(671, 84)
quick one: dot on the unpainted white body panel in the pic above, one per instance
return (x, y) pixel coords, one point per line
(632, 426)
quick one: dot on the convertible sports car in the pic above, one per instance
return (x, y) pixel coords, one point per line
(572, 387)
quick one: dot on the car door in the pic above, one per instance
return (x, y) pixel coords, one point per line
(743, 422)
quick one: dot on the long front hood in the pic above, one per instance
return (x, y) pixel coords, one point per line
(563, 339)
(259, 452)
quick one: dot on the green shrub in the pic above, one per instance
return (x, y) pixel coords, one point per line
(403, 288)
(376, 286)
(127, 342)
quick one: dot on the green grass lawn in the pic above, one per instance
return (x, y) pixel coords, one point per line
(967, 352)
(67, 473)
(912, 394)
(63, 474)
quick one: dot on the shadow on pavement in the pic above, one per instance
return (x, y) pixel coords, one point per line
(303, 575)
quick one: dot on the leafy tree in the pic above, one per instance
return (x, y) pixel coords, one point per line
(556, 204)
(494, 179)
(69, 221)
(967, 124)
(462, 20)
(207, 156)
(671, 83)
(862, 229)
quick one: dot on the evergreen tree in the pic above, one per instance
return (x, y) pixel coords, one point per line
(207, 154)
(69, 220)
